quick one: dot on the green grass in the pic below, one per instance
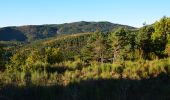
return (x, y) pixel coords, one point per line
(129, 80)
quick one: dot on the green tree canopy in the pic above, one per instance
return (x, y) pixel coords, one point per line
(95, 48)
(53, 55)
(160, 36)
(144, 41)
(119, 41)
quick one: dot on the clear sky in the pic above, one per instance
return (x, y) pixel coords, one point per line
(35, 12)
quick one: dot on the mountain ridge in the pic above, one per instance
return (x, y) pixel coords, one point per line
(34, 32)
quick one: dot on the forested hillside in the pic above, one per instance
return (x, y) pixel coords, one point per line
(106, 63)
(34, 32)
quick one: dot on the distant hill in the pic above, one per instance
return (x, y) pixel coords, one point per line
(34, 32)
(8, 34)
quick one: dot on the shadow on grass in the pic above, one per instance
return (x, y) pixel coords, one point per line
(102, 89)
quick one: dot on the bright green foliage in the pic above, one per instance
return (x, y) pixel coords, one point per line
(24, 61)
(17, 61)
(33, 60)
(161, 29)
(34, 57)
(141, 69)
(53, 55)
(167, 50)
(160, 36)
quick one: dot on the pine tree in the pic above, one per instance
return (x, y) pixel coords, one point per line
(118, 40)
(95, 48)
(144, 41)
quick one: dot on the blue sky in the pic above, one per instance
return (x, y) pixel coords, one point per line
(35, 12)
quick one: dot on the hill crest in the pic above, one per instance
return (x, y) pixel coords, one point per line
(34, 32)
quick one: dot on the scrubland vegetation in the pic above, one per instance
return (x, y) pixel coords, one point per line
(123, 64)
